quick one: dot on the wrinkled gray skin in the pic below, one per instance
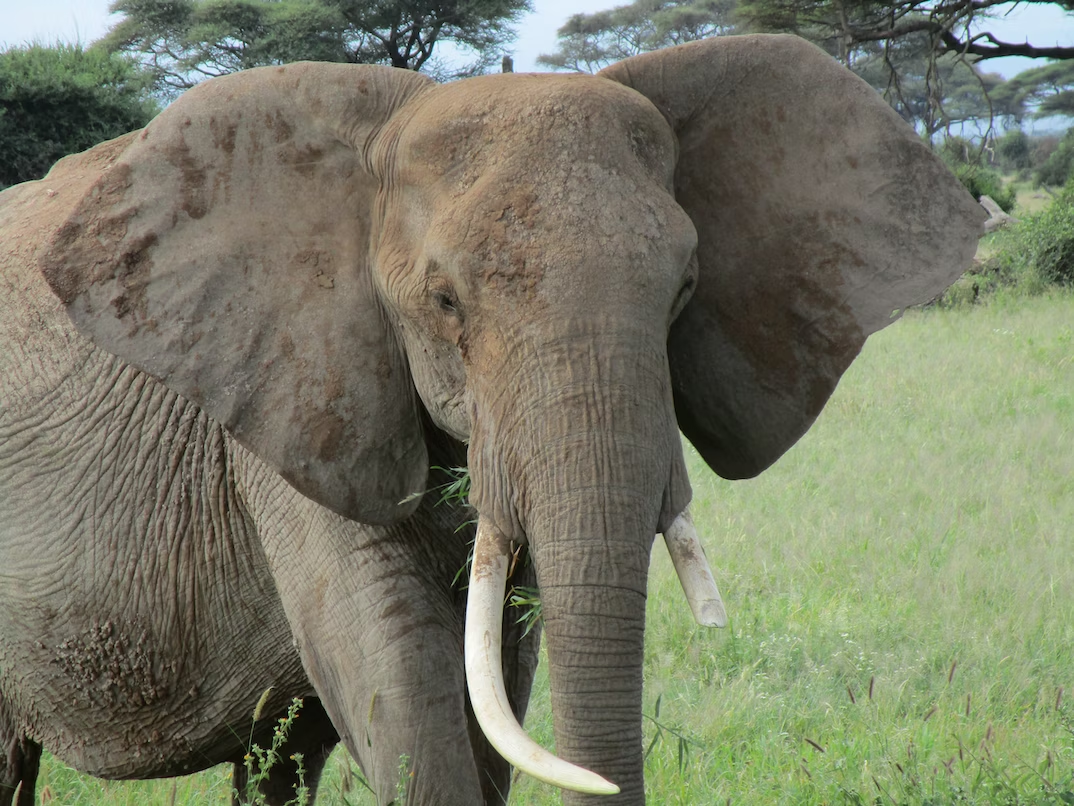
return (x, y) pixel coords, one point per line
(233, 344)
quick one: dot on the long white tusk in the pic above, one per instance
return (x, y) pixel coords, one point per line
(688, 556)
(484, 674)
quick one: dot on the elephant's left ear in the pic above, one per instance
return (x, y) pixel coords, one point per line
(820, 216)
(227, 252)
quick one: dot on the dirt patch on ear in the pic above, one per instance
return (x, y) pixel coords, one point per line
(134, 269)
(84, 251)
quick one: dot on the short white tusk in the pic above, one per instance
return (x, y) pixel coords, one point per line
(688, 556)
(484, 674)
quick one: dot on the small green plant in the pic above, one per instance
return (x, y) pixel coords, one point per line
(259, 761)
(664, 731)
(456, 490)
(528, 601)
(402, 783)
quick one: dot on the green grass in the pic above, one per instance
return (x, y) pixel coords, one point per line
(900, 587)
(1029, 199)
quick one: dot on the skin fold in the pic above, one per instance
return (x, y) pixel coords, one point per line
(238, 346)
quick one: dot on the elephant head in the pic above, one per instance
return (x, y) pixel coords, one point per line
(562, 271)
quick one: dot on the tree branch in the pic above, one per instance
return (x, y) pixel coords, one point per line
(998, 49)
(860, 35)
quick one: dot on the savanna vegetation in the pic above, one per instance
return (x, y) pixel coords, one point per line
(1031, 257)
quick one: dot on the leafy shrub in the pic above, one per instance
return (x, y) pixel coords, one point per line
(1013, 151)
(1040, 250)
(963, 157)
(1033, 255)
(981, 181)
(62, 100)
(1029, 257)
(1059, 167)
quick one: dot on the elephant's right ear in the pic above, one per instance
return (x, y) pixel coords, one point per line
(227, 252)
(820, 216)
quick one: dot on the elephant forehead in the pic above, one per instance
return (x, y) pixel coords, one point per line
(509, 233)
(536, 123)
(525, 178)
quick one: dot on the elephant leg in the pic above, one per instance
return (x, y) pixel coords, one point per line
(22, 761)
(402, 700)
(376, 619)
(312, 736)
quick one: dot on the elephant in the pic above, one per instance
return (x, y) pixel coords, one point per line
(240, 345)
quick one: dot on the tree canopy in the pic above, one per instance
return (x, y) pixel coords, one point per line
(950, 26)
(935, 93)
(590, 42)
(1049, 89)
(922, 56)
(894, 38)
(62, 100)
(185, 41)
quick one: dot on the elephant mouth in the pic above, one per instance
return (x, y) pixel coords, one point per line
(483, 639)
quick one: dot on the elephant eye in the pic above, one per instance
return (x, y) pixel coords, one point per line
(445, 301)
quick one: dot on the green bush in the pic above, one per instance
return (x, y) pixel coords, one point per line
(1013, 151)
(1031, 256)
(1059, 167)
(62, 100)
(981, 181)
(963, 157)
(1042, 246)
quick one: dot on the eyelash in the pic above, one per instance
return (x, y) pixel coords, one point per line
(444, 301)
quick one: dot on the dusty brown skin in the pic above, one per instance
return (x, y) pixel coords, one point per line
(233, 344)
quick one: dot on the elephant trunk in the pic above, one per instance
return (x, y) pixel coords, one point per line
(591, 570)
(588, 473)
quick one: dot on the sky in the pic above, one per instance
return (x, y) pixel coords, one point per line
(49, 21)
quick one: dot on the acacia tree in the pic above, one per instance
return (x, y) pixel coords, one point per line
(933, 93)
(936, 94)
(185, 41)
(885, 30)
(1048, 89)
(590, 42)
(950, 26)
